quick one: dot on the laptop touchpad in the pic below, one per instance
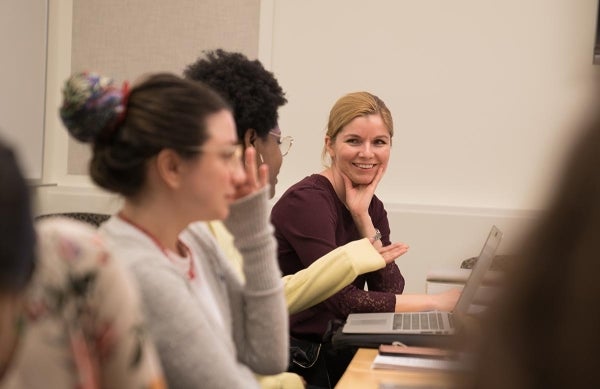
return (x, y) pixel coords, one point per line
(369, 321)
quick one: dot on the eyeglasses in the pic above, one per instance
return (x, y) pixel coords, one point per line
(285, 142)
(231, 154)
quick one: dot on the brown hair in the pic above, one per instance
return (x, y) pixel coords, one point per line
(162, 111)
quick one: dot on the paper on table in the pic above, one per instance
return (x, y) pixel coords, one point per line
(403, 362)
(392, 385)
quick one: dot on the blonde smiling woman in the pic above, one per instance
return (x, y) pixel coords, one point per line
(336, 206)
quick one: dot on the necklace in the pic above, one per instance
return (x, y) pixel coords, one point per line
(181, 247)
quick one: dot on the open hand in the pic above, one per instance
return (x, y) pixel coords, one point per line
(393, 251)
(358, 197)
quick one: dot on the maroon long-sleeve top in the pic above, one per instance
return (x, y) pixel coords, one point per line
(310, 221)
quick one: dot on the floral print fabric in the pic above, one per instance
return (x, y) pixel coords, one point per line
(83, 321)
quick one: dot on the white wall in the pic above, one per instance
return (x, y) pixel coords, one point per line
(486, 97)
(484, 93)
(23, 43)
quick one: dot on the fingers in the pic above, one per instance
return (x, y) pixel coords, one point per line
(377, 177)
(393, 251)
(263, 175)
(347, 182)
(255, 177)
(260, 174)
(394, 247)
(250, 165)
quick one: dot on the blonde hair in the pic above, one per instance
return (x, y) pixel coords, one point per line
(348, 108)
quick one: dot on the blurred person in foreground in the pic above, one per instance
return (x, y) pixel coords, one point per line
(543, 332)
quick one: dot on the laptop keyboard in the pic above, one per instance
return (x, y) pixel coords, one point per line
(431, 321)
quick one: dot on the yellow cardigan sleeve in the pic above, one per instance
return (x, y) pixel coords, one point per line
(225, 242)
(330, 273)
(323, 278)
(309, 286)
(281, 381)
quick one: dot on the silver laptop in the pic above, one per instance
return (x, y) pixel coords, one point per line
(431, 322)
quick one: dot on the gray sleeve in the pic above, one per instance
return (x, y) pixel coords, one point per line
(260, 314)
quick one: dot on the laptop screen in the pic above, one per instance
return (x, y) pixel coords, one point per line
(482, 265)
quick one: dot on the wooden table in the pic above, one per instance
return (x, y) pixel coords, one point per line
(359, 375)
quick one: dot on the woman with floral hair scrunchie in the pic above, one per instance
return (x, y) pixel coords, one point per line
(171, 151)
(91, 103)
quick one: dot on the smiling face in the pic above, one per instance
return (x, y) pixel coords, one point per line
(360, 149)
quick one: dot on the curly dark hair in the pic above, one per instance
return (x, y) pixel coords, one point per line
(251, 90)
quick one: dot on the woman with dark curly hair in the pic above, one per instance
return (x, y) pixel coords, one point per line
(255, 96)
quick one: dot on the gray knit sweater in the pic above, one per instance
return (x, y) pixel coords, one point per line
(194, 349)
